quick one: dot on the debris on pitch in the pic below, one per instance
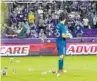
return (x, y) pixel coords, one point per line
(17, 61)
(5, 67)
(58, 75)
(4, 72)
(11, 58)
(30, 69)
(10, 61)
(44, 73)
(50, 71)
(54, 72)
(14, 71)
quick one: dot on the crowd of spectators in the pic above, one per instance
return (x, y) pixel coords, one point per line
(39, 19)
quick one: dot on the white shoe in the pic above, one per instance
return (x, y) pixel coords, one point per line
(64, 71)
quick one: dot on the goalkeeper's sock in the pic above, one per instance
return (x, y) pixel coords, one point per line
(60, 64)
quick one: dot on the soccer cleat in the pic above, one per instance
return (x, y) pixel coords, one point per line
(62, 71)
(59, 71)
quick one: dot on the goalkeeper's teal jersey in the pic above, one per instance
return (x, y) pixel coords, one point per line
(60, 41)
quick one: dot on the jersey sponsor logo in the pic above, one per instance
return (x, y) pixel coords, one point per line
(14, 50)
(82, 49)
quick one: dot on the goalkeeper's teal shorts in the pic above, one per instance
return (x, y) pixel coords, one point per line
(61, 46)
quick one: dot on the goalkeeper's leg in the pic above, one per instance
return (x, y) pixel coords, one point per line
(61, 63)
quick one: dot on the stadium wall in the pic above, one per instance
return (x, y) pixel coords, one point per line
(46, 47)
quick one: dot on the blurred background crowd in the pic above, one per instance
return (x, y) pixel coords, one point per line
(39, 19)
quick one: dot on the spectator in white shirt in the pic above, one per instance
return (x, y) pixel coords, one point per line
(95, 21)
(40, 10)
(86, 22)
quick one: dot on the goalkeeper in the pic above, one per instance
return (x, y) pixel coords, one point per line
(61, 40)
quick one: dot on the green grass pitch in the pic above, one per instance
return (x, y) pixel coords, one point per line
(37, 68)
